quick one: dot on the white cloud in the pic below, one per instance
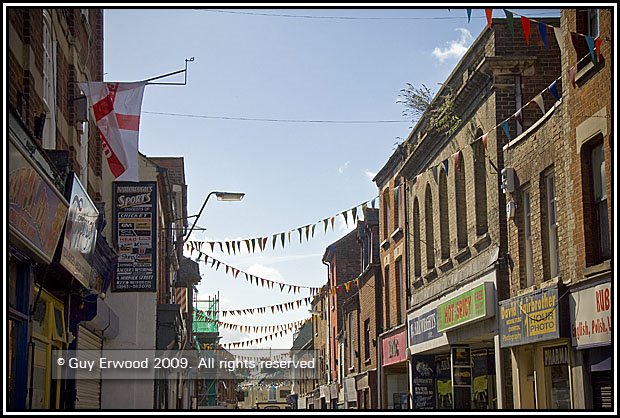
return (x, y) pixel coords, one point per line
(456, 48)
(349, 225)
(343, 167)
(370, 174)
(263, 271)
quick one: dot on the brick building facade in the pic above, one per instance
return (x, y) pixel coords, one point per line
(456, 215)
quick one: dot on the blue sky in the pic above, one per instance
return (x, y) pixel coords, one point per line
(344, 65)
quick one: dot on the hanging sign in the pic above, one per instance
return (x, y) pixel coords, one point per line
(590, 315)
(135, 232)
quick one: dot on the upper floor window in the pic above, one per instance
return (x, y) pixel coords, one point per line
(552, 225)
(417, 258)
(386, 212)
(430, 236)
(49, 83)
(367, 339)
(397, 216)
(592, 22)
(527, 232)
(598, 204)
(444, 217)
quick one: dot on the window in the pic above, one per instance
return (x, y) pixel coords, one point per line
(367, 339)
(417, 258)
(444, 219)
(397, 220)
(386, 296)
(480, 185)
(552, 226)
(398, 270)
(592, 22)
(430, 236)
(49, 83)
(351, 341)
(461, 204)
(598, 179)
(386, 211)
(527, 232)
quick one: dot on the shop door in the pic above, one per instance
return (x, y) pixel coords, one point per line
(88, 391)
(601, 390)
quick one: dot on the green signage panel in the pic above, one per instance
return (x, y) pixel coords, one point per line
(465, 308)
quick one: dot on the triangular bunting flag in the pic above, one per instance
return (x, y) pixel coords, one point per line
(307, 232)
(300, 235)
(559, 37)
(325, 221)
(525, 22)
(265, 243)
(332, 220)
(282, 239)
(510, 21)
(468, 15)
(572, 73)
(519, 117)
(542, 28)
(345, 217)
(553, 89)
(597, 48)
(212, 244)
(354, 214)
(489, 13)
(312, 230)
(457, 160)
(485, 141)
(364, 207)
(576, 40)
(506, 128)
(273, 241)
(221, 247)
(228, 247)
(540, 102)
(590, 43)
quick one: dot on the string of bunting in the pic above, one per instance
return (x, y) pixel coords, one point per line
(504, 125)
(283, 238)
(258, 340)
(526, 23)
(281, 307)
(252, 328)
(271, 284)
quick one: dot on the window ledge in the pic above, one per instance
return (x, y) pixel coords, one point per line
(463, 255)
(397, 234)
(446, 265)
(367, 361)
(385, 244)
(418, 282)
(483, 241)
(601, 268)
(432, 273)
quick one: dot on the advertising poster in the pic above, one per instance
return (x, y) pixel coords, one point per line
(443, 375)
(135, 230)
(424, 396)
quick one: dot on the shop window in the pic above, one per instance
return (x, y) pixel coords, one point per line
(557, 377)
(430, 236)
(527, 235)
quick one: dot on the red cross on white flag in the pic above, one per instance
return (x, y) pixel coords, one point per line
(117, 114)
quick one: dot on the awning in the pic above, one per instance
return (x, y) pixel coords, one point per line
(105, 321)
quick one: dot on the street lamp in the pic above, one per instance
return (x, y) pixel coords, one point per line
(225, 196)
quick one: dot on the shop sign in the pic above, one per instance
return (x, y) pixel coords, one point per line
(135, 232)
(394, 348)
(80, 235)
(590, 313)
(423, 368)
(529, 318)
(423, 328)
(555, 356)
(465, 308)
(37, 210)
(350, 391)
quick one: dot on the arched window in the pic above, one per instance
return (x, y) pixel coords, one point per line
(461, 203)
(430, 237)
(480, 185)
(417, 259)
(444, 220)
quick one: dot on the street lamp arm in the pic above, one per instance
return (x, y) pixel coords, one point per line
(198, 217)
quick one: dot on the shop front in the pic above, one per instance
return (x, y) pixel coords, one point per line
(36, 214)
(591, 325)
(366, 384)
(535, 327)
(452, 350)
(394, 373)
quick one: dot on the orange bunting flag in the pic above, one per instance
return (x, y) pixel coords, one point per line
(489, 13)
(525, 22)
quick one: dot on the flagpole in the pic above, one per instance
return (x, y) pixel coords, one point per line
(148, 80)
